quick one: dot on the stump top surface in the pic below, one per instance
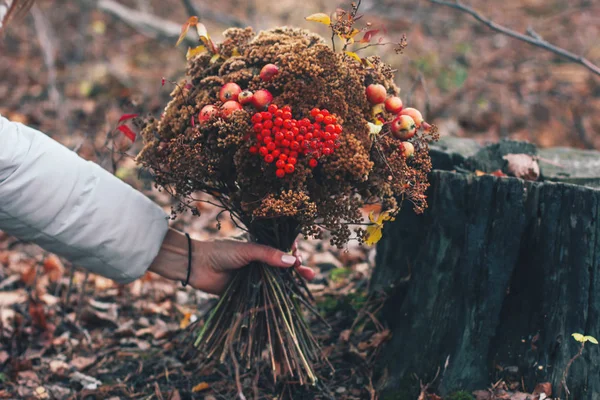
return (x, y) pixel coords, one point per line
(559, 164)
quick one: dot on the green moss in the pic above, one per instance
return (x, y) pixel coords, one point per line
(357, 299)
(460, 395)
(328, 304)
(349, 304)
(339, 274)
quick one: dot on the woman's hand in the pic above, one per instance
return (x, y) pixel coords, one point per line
(213, 262)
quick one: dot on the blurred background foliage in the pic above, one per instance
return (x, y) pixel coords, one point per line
(72, 68)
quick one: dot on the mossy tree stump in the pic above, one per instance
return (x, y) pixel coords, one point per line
(502, 272)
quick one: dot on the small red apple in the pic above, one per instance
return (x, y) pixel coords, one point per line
(261, 99)
(207, 113)
(268, 72)
(403, 127)
(245, 97)
(414, 114)
(393, 104)
(376, 93)
(229, 91)
(408, 149)
(229, 107)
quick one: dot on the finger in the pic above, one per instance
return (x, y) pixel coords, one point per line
(306, 272)
(269, 255)
(298, 256)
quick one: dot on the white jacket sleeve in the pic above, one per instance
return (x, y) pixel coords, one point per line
(74, 208)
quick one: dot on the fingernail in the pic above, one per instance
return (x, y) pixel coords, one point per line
(288, 259)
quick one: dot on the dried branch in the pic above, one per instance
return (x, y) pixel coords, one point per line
(532, 37)
(148, 24)
(46, 36)
(208, 13)
(10, 9)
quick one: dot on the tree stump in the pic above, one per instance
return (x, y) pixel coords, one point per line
(495, 276)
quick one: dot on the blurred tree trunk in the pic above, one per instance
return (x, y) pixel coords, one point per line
(502, 272)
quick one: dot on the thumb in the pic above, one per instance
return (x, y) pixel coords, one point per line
(269, 255)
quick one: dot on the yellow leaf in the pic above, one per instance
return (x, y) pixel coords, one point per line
(186, 320)
(185, 28)
(200, 387)
(191, 53)
(591, 339)
(353, 55)
(374, 234)
(481, 173)
(366, 63)
(235, 52)
(215, 58)
(353, 33)
(99, 27)
(378, 109)
(372, 217)
(579, 337)
(320, 17)
(349, 36)
(384, 216)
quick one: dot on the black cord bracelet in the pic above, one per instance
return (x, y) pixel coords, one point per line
(189, 271)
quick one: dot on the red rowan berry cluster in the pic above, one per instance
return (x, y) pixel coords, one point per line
(283, 140)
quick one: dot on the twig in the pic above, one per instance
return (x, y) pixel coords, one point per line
(580, 128)
(11, 9)
(45, 35)
(564, 377)
(532, 38)
(208, 13)
(80, 301)
(148, 24)
(236, 365)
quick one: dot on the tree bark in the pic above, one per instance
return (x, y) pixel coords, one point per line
(502, 272)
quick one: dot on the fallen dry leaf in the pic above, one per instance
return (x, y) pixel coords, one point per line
(185, 321)
(28, 276)
(53, 267)
(97, 318)
(28, 378)
(58, 366)
(482, 395)
(37, 314)
(200, 387)
(174, 395)
(519, 396)
(81, 363)
(9, 298)
(41, 393)
(523, 166)
(376, 340)
(544, 387)
(345, 335)
(88, 382)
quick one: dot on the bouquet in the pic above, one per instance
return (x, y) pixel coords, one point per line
(290, 137)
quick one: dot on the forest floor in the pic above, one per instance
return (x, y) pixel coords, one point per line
(72, 69)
